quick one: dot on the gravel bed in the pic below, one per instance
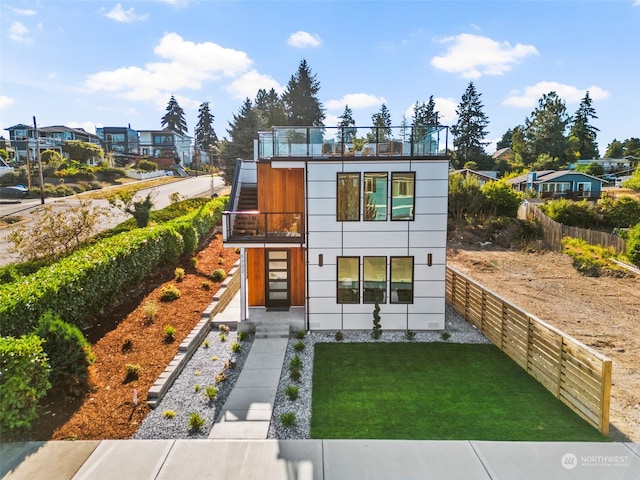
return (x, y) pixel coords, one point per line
(182, 397)
(458, 328)
(201, 369)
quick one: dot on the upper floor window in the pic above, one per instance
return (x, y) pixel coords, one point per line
(375, 196)
(19, 135)
(348, 197)
(402, 195)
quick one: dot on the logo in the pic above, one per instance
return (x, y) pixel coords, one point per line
(569, 461)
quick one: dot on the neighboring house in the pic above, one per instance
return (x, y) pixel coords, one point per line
(165, 147)
(120, 141)
(505, 154)
(482, 177)
(558, 184)
(610, 165)
(331, 234)
(23, 138)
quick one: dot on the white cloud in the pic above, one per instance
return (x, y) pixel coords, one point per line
(175, 3)
(248, 84)
(5, 101)
(568, 93)
(119, 14)
(22, 11)
(636, 3)
(473, 56)
(18, 33)
(355, 101)
(189, 65)
(302, 39)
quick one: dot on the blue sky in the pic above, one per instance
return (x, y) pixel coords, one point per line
(104, 63)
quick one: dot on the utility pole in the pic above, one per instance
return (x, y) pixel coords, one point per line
(41, 177)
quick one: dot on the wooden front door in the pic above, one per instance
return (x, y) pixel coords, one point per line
(277, 285)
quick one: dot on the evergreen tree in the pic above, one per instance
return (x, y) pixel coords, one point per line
(174, 118)
(300, 98)
(615, 149)
(506, 141)
(270, 108)
(470, 129)
(582, 132)
(632, 147)
(381, 120)
(544, 131)
(206, 137)
(242, 131)
(424, 114)
(519, 146)
(346, 121)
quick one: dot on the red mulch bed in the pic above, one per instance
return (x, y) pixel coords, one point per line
(107, 410)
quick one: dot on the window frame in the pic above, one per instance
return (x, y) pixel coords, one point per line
(372, 176)
(358, 175)
(406, 301)
(393, 196)
(356, 292)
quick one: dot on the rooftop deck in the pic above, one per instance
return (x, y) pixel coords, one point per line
(330, 142)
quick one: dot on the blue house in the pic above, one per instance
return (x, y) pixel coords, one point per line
(559, 184)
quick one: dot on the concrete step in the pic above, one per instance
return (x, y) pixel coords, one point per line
(272, 330)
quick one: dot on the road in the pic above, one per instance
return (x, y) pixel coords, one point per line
(188, 187)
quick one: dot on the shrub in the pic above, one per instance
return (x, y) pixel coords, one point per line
(196, 387)
(132, 371)
(300, 334)
(377, 328)
(299, 346)
(194, 262)
(235, 347)
(220, 377)
(633, 245)
(292, 392)
(242, 336)
(205, 344)
(206, 285)
(168, 414)
(229, 364)
(179, 274)
(295, 362)
(339, 336)
(68, 351)
(588, 259)
(410, 334)
(218, 275)
(150, 311)
(24, 380)
(169, 333)
(196, 422)
(210, 392)
(223, 337)
(147, 166)
(127, 345)
(445, 336)
(220, 261)
(295, 374)
(224, 328)
(169, 293)
(288, 419)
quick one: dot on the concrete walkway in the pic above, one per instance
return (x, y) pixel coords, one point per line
(317, 459)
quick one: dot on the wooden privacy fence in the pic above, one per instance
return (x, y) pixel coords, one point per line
(579, 376)
(553, 232)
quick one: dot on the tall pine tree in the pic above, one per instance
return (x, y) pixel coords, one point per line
(381, 120)
(206, 137)
(174, 118)
(544, 131)
(470, 129)
(300, 98)
(583, 134)
(271, 109)
(425, 113)
(242, 130)
(346, 125)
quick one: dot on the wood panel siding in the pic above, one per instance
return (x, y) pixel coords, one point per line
(256, 280)
(280, 189)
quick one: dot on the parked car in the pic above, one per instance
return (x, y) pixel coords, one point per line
(14, 192)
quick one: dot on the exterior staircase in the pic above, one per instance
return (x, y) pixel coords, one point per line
(247, 201)
(272, 330)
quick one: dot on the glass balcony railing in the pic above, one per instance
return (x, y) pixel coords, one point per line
(328, 142)
(253, 226)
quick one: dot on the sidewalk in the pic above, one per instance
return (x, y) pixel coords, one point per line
(318, 459)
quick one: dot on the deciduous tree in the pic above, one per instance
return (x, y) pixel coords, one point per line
(81, 151)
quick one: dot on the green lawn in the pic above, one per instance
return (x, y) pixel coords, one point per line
(428, 391)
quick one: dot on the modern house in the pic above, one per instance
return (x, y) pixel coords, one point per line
(165, 147)
(23, 139)
(328, 230)
(122, 142)
(559, 184)
(611, 165)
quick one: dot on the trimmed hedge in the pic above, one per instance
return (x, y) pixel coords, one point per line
(24, 380)
(93, 278)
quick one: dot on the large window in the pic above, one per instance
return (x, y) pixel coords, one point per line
(401, 279)
(375, 196)
(348, 280)
(348, 197)
(375, 280)
(402, 195)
